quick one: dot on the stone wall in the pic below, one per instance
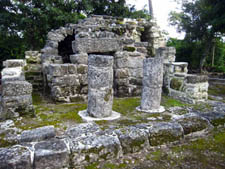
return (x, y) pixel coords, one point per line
(16, 92)
(178, 83)
(129, 41)
(33, 70)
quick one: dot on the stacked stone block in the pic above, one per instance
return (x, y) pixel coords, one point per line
(125, 39)
(100, 83)
(16, 92)
(178, 83)
(64, 82)
(33, 70)
(152, 84)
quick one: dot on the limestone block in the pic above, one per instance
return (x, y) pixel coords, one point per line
(135, 62)
(196, 78)
(16, 102)
(49, 51)
(133, 139)
(122, 82)
(15, 157)
(121, 54)
(67, 80)
(164, 132)
(121, 73)
(52, 154)
(136, 73)
(82, 69)
(83, 129)
(100, 61)
(100, 102)
(38, 134)
(192, 122)
(93, 148)
(150, 98)
(121, 63)
(53, 36)
(141, 44)
(57, 70)
(142, 50)
(16, 88)
(100, 78)
(153, 72)
(14, 63)
(12, 74)
(81, 58)
(86, 45)
(52, 44)
(72, 69)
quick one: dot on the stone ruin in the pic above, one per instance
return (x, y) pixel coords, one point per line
(61, 69)
(95, 60)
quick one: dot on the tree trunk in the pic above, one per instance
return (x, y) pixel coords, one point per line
(207, 46)
(150, 8)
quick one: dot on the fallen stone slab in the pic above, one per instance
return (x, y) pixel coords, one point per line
(53, 154)
(38, 134)
(133, 139)
(93, 148)
(192, 123)
(82, 130)
(15, 158)
(165, 132)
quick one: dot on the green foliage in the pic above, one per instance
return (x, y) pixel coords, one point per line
(203, 22)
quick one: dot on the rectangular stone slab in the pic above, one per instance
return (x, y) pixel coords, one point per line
(86, 45)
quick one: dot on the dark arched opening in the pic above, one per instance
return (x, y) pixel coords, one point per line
(65, 48)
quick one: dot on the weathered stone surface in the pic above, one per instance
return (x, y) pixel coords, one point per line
(100, 102)
(121, 73)
(16, 88)
(141, 44)
(82, 69)
(57, 70)
(163, 132)
(133, 139)
(197, 78)
(135, 62)
(12, 74)
(152, 83)
(100, 81)
(67, 80)
(95, 148)
(150, 98)
(83, 129)
(52, 154)
(192, 123)
(85, 45)
(50, 50)
(81, 58)
(14, 63)
(15, 158)
(100, 61)
(38, 134)
(153, 72)
(100, 78)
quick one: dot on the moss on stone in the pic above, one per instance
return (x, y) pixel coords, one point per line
(170, 102)
(129, 48)
(4, 142)
(125, 105)
(119, 31)
(176, 84)
(108, 95)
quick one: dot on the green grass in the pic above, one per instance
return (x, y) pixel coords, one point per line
(126, 105)
(170, 102)
(217, 90)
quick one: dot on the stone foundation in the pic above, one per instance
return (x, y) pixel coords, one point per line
(16, 93)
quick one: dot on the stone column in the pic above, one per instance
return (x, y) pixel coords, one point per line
(152, 84)
(100, 85)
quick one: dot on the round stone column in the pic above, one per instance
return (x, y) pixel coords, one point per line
(152, 85)
(100, 85)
